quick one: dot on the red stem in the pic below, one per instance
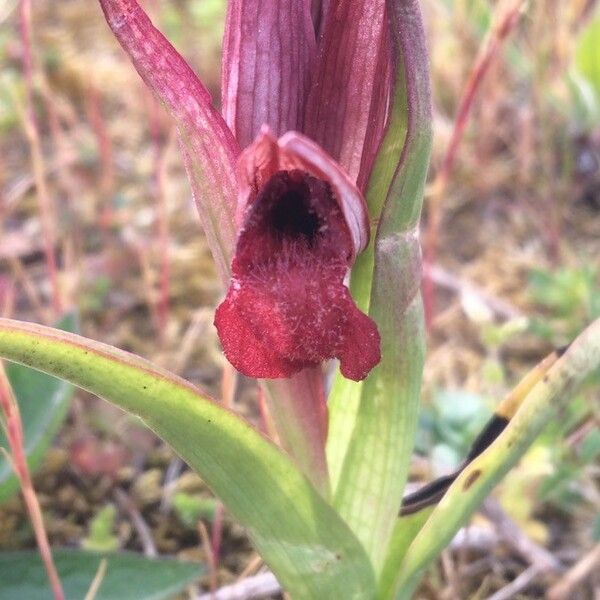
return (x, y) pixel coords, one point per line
(162, 218)
(14, 433)
(103, 141)
(32, 133)
(299, 410)
(502, 25)
(217, 535)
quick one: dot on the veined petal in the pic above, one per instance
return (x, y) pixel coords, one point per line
(268, 49)
(349, 84)
(260, 161)
(210, 150)
(380, 106)
(287, 307)
(318, 11)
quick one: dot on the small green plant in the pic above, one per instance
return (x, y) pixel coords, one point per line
(562, 488)
(101, 537)
(584, 76)
(191, 508)
(449, 425)
(570, 299)
(571, 462)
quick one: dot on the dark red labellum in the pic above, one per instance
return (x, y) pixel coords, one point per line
(287, 307)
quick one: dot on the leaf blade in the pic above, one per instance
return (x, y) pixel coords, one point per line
(300, 536)
(41, 422)
(407, 527)
(475, 482)
(128, 576)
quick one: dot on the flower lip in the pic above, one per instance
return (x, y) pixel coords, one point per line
(290, 310)
(287, 307)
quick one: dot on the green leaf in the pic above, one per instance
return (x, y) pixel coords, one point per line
(590, 447)
(587, 57)
(101, 537)
(373, 423)
(128, 576)
(596, 529)
(43, 402)
(407, 527)
(310, 549)
(191, 508)
(549, 396)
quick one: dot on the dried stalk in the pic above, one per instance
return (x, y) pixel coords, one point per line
(160, 150)
(518, 585)
(258, 586)
(105, 152)
(507, 17)
(18, 460)
(97, 581)
(589, 564)
(45, 205)
(141, 527)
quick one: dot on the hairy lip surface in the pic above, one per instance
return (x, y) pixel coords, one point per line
(287, 306)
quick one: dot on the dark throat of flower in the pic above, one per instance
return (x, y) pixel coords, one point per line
(292, 216)
(295, 218)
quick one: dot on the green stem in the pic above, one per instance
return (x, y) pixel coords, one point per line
(373, 423)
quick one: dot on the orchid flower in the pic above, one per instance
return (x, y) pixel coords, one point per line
(279, 176)
(325, 103)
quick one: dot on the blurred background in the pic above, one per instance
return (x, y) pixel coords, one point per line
(89, 167)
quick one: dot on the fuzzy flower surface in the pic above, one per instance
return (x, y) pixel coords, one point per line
(279, 176)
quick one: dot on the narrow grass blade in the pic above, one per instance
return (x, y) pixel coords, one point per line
(406, 529)
(545, 401)
(306, 544)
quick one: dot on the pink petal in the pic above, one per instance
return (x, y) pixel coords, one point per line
(350, 84)
(287, 306)
(268, 49)
(210, 150)
(319, 11)
(301, 152)
(379, 109)
(260, 161)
